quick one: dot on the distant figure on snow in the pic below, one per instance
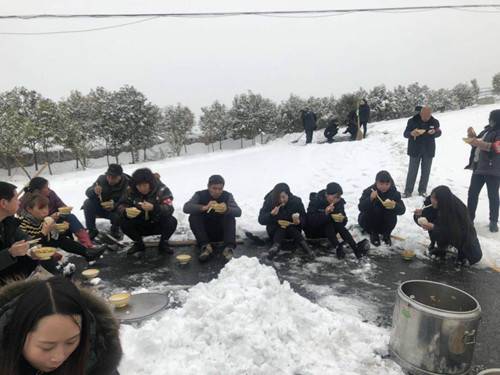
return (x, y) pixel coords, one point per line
(364, 115)
(308, 118)
(331, 130)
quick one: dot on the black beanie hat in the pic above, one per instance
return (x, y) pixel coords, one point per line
(495, 117)
(334, 188)
(114, 170)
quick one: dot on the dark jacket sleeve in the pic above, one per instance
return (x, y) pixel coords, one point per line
(315, 215)
(437, 128)
(365, 202)
(400, 208)
(164, 204)
(90, 193)
(410, 126)
(193, 206)
(265, 217)
(232, 207)
(6, 260)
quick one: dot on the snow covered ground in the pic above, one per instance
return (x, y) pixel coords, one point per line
(246, 322)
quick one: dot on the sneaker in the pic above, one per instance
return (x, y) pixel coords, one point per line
(387, 239)
(95, 253)
(407, 195)
(228, 253)
(206, 251)
(362, 248)
(493, 227)
(93, 233)
(273, 251)
(137, 248)
(340, 251)
(375, 239)
(164, 248)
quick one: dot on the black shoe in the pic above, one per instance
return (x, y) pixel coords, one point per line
(95, 253)
(305, 247)
(228, 253)
(387, 239)
(273, 251)
(375, 239)
(116, 233)
(164, 248)
(407, 195)
(340, 251)
(493, 227)
(362, 248)
(424, 194)
(432, 246)
(206, 252)
(137, 248)
(439, 253)
(93, 233)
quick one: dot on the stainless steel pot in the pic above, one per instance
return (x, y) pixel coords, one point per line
(434, 328)
(491, 371)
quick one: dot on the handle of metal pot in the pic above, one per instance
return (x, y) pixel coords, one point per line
(470, 337)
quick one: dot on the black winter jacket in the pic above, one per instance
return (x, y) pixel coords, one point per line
(202, 197)
(424, 145)
(365, 203)
(160, 197)
(294, 205)
(116, 193)
(9, 234)
(316, 216)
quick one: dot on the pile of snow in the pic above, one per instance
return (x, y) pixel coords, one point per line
(247, 322)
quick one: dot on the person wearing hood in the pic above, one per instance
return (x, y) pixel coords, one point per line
(110, 188)
(364, 115)
(379, 206)
(40, 185)
(284, 216)
(153, 203)
(421, 132)
(212, 218)
(326, 217)
(452, 226)
(485, 163)
(52, 327)
(15, 259)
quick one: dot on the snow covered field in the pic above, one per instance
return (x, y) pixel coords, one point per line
(246, 322)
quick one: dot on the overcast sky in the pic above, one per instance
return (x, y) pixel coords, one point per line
(195, 61)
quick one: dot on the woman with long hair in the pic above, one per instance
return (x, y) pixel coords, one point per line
(453, 226)
(284, 216)
(52, 327)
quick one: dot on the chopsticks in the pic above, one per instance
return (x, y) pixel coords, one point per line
(378, 196)
(35, 241)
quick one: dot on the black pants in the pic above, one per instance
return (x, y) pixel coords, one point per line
(413, 171)
(330, 230)
(278, 234)
(470, 251)
(137, 228)
(213, 228)
(378, 220)
(365, 130)
(477, 182)
(24, 266)
(92, 209)
(309, 135)
(67, 244)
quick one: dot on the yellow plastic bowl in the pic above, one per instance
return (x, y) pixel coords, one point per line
(132, 212)
(338, 218)
(183, 258)
(65, 210)
(468, 140)
(62, 227)
(119, 300)
(283, 223)
(44, 253)
(107, 204)
(408, 254)
(90, 273)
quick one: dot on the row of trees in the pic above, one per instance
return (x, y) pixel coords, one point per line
(124, 120)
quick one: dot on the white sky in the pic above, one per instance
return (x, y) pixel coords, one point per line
(195, 61)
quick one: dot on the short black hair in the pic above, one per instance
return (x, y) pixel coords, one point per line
(384, 176)
(216, 179)
(143, 175)
(7, 190)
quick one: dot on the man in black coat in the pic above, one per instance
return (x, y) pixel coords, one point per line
(309, 119)
(326, 217)
(421, 131)
(331, 130)
(364, 115)
(379, 206)
(484, 161)
(110, 187)
(212, 218)
(352, 124)
(154, 203)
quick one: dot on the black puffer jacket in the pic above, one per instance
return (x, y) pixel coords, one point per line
(105, 351)
(424, 145)
(116, 192)
(430, 213)
(9, 233)
(294, 205)
(365, 203)
(316, 216)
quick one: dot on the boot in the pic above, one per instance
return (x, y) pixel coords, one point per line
(493, 227)
(116, 233)
(94, 253)
(273, 251)
(206, 252)
(228, 253)
(164, 248)
(137, 248)
(387, 239)
(305, 247)
(362, 248)
(375, 239)
(84, 238)
(340, 251)
(439, 253)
